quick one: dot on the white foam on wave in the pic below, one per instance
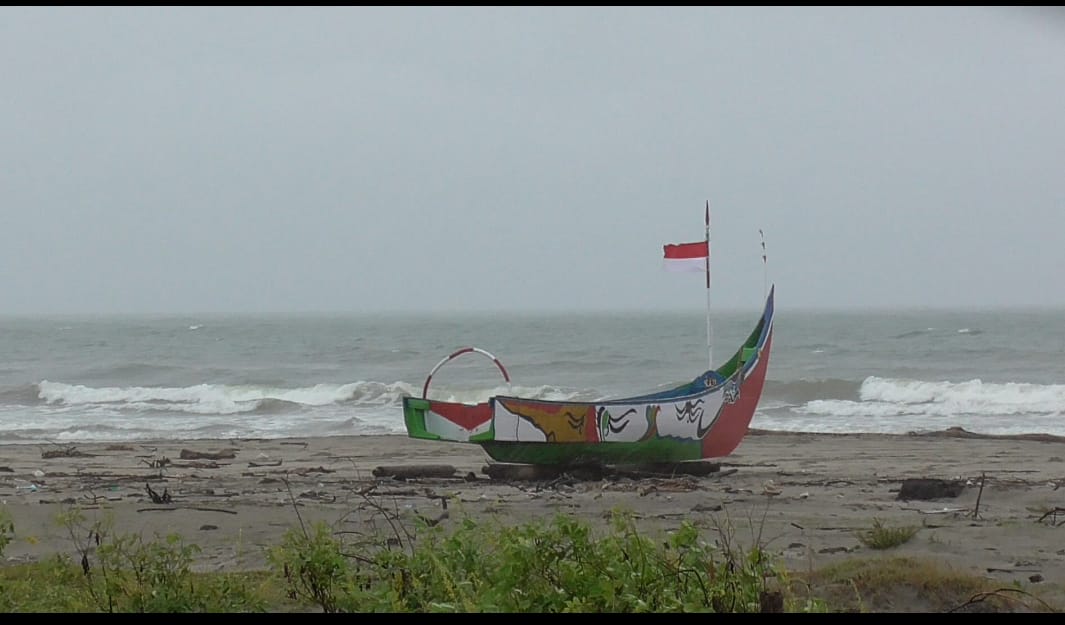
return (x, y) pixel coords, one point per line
(476, 396)
(884, 397)
(219, 399)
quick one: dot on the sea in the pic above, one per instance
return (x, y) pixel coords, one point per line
(127, 378)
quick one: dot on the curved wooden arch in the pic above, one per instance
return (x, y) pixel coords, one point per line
(456, 354)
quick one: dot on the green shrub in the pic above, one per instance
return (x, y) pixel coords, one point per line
(558, 566)
(882, 537)
(314, 569)
(7, 531)
(125, 573)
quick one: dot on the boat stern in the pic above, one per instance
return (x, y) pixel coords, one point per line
(449, 421)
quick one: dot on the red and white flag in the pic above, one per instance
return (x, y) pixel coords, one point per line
(687, 256)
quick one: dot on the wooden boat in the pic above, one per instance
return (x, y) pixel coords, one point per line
(702, 419)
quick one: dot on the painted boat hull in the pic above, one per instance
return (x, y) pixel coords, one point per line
(702, 419)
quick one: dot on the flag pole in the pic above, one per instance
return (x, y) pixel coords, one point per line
(709, 327)
(765, 270)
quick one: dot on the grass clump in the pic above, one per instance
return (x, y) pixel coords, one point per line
(905, 584)
(7, 531)
(882, 537)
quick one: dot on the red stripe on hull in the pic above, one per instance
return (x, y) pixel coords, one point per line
(735, 418)
(591, 426)
(463, 415)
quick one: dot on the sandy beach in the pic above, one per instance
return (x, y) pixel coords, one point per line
(805, 496)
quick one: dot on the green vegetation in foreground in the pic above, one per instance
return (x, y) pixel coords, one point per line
(556, 566)
(560, 565)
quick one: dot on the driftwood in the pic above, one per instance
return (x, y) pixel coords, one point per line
(93, 498)
(196, 465)
(1053, 514)
(431, 522)
(979, 495)
(320, 495)
(927, 488)
(669, 486)
(225, 454)
(66, 452)
(507, 471)
(308, 470)
(940, 511)
(200, 508)
(405, 472)
(156, 497)
(1001, 594)
(265, 464)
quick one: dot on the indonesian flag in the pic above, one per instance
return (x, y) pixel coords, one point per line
(687, 256)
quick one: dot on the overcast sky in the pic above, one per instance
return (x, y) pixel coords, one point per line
(465, 159)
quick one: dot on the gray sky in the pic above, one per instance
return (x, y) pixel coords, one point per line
(376, 159)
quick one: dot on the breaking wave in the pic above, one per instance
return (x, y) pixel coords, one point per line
(221, 399)
(882, 397)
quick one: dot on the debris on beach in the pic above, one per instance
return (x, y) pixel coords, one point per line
(930, 488)
(414, 471)
(225, 454)
(156, 497)
(1051, 516)
(65, 452)
(156, 463)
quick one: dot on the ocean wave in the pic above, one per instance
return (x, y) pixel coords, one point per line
(798, 392)
(913, 333)
(926, 331)
(222, 399)
(21, 395)
(886, 397)
(219, 398)
(97, 425)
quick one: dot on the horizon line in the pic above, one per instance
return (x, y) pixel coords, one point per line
(908, 308)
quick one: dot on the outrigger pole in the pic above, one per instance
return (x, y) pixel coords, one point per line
(709, 327)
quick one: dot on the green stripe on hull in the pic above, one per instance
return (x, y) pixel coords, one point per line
(652, 451)
(414, 418)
